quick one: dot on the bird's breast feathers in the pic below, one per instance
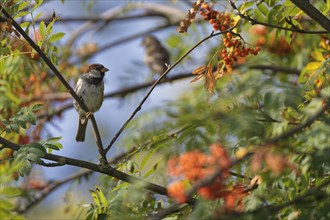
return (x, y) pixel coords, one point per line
(91, 95)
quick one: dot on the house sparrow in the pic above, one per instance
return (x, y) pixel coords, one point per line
(90, 89)
(156, 56)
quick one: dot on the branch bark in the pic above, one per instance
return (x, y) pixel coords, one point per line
(108, 170)
(313, 13)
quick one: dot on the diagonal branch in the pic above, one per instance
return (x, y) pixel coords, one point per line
(138, 108)
(313, 13)
(61, 78)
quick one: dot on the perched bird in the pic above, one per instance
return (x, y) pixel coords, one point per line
(156, 56)
(90, 89)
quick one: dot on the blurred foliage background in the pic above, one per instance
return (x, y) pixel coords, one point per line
(255, 96)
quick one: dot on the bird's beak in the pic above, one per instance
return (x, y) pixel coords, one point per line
(103, 70)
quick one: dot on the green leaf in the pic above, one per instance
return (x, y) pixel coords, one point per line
(21, 14)
(21, 123)
(14, 128)
(26, 168)
(53, 139)
(39, 2)
(95, 198)
(42, 29)
(36, 148)
(36, 107)
(245, 5)
(11, 191)
(52, 146)
(33, 157)
(270, 3)
(146, 158)
(37, 16)
(24, 24)
(36, 152)
(263, 8)
(102, 197)
(55, 37)
(22, 5)
(31, 118)
(259, 16)
(49, 28)
(5, 205)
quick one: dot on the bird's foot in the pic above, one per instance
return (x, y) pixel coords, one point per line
(89, 114)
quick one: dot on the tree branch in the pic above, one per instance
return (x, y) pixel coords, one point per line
(313, 13)
(108, 170)
(56, 184)
(60, 77)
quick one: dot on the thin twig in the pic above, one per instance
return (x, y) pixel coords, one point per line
(138, 108)
(60, 77)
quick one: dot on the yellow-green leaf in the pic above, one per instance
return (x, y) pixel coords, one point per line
(102, 197)
(95, 198)
(56, 37)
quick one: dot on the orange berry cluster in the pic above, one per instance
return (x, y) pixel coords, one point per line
(235, 49)
(219, 21)
(268, 39)
(194, 166)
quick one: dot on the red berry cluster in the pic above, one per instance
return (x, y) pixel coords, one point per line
(235, 49)
(220, 21)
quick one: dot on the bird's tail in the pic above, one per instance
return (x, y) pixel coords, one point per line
(82, 125)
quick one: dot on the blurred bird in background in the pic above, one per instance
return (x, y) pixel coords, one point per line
(156, 56)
